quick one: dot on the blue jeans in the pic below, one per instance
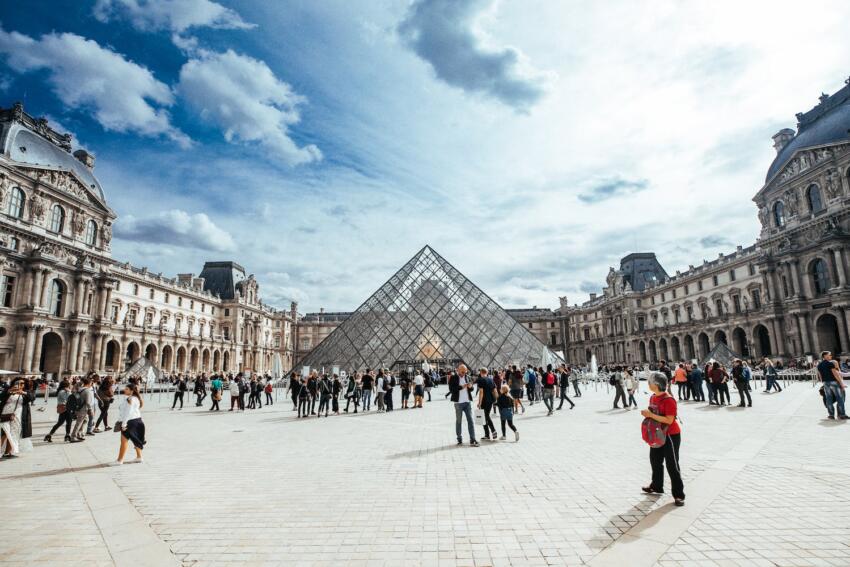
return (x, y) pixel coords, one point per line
(366, 402)
(460, 409)
(833, 394)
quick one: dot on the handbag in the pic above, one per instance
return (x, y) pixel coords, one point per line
(117, 427)
(60, 408)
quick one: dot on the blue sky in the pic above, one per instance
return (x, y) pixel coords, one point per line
(321, 144)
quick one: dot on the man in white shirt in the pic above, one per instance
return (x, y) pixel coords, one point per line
(460, 388)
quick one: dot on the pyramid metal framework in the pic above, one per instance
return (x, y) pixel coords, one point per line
(429, 311)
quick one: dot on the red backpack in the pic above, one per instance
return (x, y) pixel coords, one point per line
(653, 432)
(550, 379)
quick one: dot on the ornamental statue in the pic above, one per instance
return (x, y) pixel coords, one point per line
(37, 208)
(78, 223)
(106, 233)
(832, 186)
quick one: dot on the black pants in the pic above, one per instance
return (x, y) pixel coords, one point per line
(294, 400)
(621, 394)
(201, 395)
(177, 396)
(510, 423)
(744, 391)
(241, 401)
(388, 400)
(351, 398)
(313, 398)
(303, 407)
(65, 417)
(215, 405)
(530, 389)
(669, 455)
(335, 404)
(324, 403)
(699, 393)
(428, 391)
(104, 414)
(683, 390)
(268, 398)
(564, 396)
(488, 423)
(723, 389)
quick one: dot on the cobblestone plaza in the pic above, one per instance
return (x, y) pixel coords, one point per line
(765, 488)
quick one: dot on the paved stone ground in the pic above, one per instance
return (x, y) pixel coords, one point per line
(766, 486)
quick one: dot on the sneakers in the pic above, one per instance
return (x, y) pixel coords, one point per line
(502, 437)
(679, 501)
(137, 460)
(473, 443)
(48, 439)
(650, 490)
(116, 463)
(830, 417)
(97, 430)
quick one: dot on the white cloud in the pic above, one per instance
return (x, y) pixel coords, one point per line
(123, 96)
(173, 15)
(176, 228)
(244, 98)
(446, 34)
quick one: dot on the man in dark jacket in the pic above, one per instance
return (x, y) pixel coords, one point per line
(460, 390)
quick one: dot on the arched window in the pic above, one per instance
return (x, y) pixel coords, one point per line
(57, 219)
(779, 214)
(57, 297)
(813, 197)
(16, 203)
(91, 233)
(820, 275)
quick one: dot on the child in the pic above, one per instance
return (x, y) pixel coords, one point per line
(506, 411)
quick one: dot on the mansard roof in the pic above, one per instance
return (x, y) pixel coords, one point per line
(220, 278)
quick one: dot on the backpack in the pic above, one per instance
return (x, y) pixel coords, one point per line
(653, 432)
(73, 403)
(183, 386)
(550, 379)
(613, 380)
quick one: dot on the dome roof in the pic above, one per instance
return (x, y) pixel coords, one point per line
(25, 145)
(827, 123)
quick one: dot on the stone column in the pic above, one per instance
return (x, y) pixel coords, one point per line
(35, 287)
(95, 354)
(789, 279)
(107, 302)
(778, 337)
(44, 287)
(81, 345)
(842, 330)
(803, 326)
(838, 262)
(78, 298)
(72, 352)
(25, 353)
(36, 357)
(798, 280)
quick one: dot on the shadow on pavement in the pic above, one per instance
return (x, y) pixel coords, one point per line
(55, 472)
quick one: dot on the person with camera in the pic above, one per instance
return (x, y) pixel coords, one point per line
(460, 389)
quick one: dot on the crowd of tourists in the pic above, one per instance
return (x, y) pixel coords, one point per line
(82, 406)
(246, 390)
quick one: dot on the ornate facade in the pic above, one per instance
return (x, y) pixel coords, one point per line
(785, 296)
(68, 307)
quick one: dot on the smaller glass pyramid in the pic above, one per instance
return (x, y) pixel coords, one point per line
(429, 311)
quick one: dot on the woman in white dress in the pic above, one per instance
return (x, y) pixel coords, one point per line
(132, 426)
(11, 411)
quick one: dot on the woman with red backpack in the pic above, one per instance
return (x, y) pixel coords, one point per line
(663, 434)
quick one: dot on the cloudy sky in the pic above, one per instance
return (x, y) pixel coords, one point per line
(321, 144)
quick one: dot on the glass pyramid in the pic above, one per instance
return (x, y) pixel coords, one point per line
(428, 311)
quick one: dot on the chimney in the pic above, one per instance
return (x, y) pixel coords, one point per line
(781, 139)
(321, 310)
(592, 296)
(293, 310)
(85, 158)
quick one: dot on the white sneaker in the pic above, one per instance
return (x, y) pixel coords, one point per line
(97, 429)
(516, 434)
(137, 460)
(502, 437)
(116, 463)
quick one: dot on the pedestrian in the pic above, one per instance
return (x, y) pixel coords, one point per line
(576, 378)
(486, 399)
(366, 387)
(65, 417)
(719, 386)
(179, 389)
(105, 395)
(268, 389)
(380, 391)
(324, 388)
(617, 381)
(303, 398)
(86, 400)
(695, 379)
(244, 389)
(216, 385)
(506, 411)
(663, 410)
(530, 379)
(418, 389)
(771, 376)
(429, 383)
(351, 392)
(132, 426)
(234, 393)
(516, 383)
(11, 419)
(292, 388)
(549, 383)
(680, 376)
(404, 384)
(389, 384)
(564, 385)
(741, 382)
(200, 390)
(336, 388)
(833, 388)
(631, 383)
(460, 390)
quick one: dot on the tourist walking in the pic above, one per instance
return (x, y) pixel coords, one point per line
(366, 386)
(352, 392)
(530, 379)
(86, 401)
(234, 393)
(429, 383)
(460, 389)
(418, 389)
(179, 389)
(719, 386)
(404, 386)
(200, 390)
(695, 379)
(742, 383)
(11, 419)
(617, 381)
(132, 426)
(516, 383)
(303, 399)
(389, 384)
(575, 378)
(216, 386)
(506, 411)
(324, 388)
(549, 382)
(833, 387)
(65, 416)
(631, 383)
(336, 388)
(680, 376)
(105, 395)
(380, 391)
(771, 376)
(663, 409)
(564, 385)
(293, 387)
(268, 389)
(486, 398)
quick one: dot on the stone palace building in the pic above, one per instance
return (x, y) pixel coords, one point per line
(68, 307)
(785, 296)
